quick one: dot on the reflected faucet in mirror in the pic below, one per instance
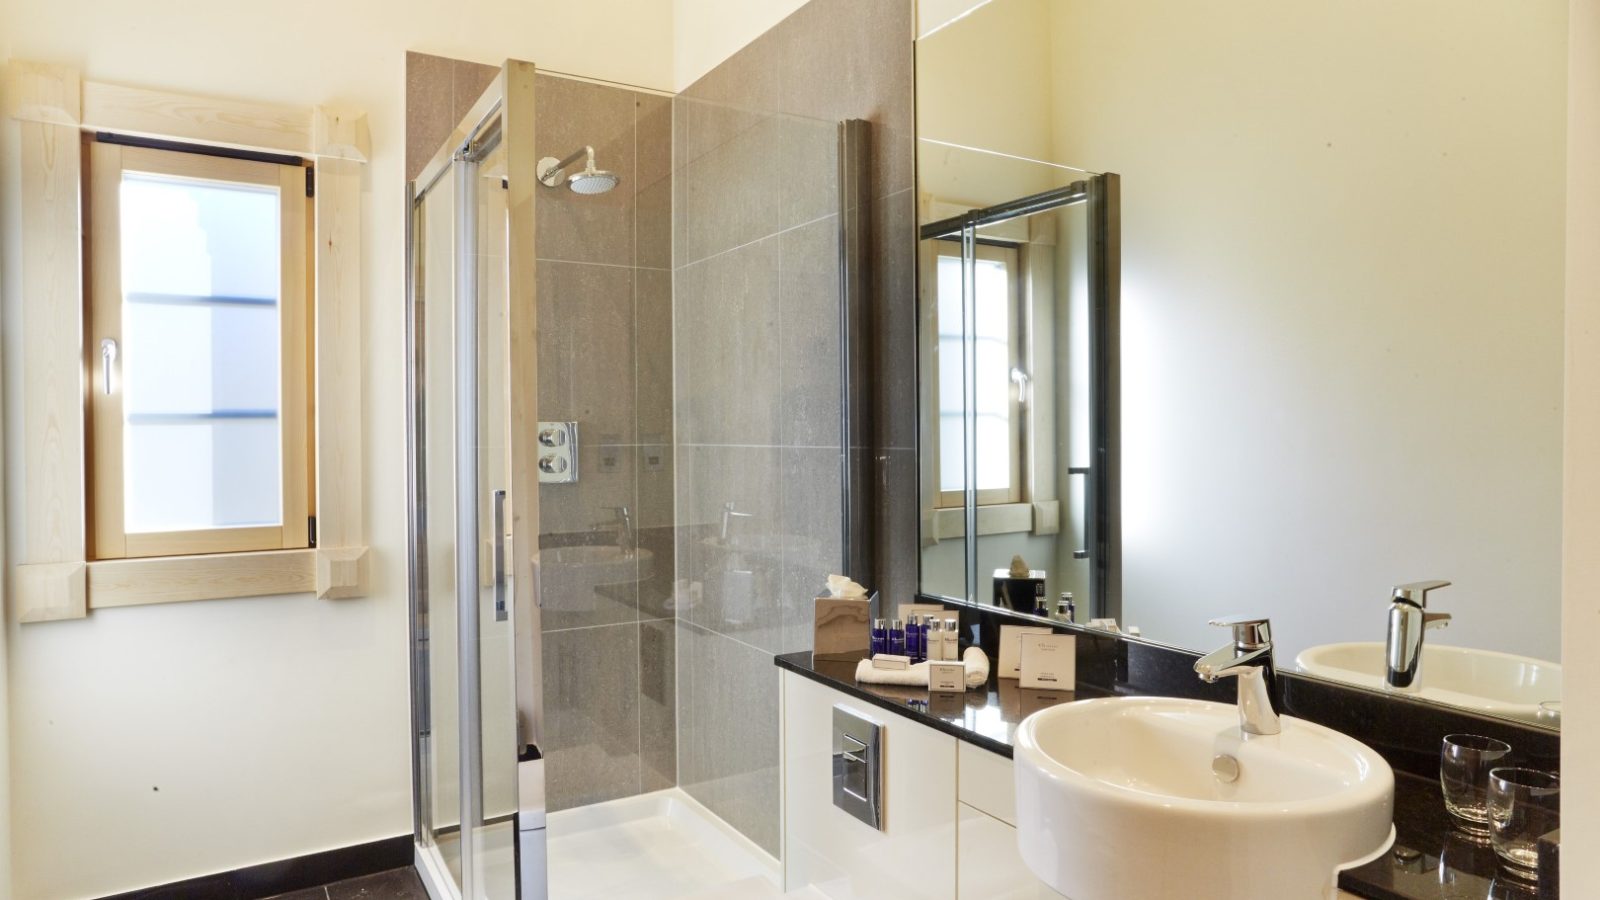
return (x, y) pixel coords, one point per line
(1408, 619)
(1248, 657)
(622, 520)
(729, 513)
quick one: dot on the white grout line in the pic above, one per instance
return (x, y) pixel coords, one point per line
(765, 237)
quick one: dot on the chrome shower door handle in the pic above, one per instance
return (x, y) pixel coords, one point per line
(499, 561)
(1081, 552)
(108, 358)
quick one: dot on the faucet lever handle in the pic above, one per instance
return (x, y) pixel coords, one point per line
(1249, 632)
(1416, 593)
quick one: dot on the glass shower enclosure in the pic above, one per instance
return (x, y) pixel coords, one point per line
(473, 507)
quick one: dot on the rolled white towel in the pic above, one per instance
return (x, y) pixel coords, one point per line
(975, 661)
(977, 664)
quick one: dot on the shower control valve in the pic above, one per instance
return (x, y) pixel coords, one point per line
(558, 452)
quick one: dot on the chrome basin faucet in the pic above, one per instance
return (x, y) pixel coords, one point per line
(1248, 658)
(1408, 619)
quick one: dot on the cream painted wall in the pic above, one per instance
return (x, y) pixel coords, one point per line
(1342, 306)
(158, 743)
(1580, 727)
(706, 32)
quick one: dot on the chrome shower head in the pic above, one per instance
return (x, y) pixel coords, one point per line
(589, 181)
(592, 181)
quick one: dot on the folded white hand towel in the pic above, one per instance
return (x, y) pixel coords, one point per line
(975, 661)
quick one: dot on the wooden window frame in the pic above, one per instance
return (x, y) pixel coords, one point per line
(52, 575)
(109, 163)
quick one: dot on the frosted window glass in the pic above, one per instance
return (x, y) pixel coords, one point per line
(200, 355)
(992, 309)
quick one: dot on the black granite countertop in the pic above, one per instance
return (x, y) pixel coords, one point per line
(987, 717)
(1429, 861)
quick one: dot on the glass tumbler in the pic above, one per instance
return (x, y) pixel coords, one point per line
(1524, 805)
(1464, 764)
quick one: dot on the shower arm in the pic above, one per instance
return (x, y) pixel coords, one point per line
(576, 155)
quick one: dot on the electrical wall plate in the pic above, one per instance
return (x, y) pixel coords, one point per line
(558, 452)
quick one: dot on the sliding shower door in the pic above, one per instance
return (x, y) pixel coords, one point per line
(469, 385)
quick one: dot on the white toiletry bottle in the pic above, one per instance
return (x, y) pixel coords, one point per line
(951, 632)
(933, 639)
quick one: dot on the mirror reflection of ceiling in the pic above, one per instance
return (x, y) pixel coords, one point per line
(1342, 237)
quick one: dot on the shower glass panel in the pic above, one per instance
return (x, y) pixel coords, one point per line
(472, 494)
(434, 308)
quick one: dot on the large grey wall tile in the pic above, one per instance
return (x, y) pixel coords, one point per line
(658, 702)
(740, 579)
(569, 115)
(731, 194)
(653, 183)
(809, 328)
(656, 516)
(726, 330)
(809, 159)
(430, 113)
(470, 81)
(853, 59)
(653, 353)
(586, 349)
(812, 549)
(591, 706)
(728, 738)
(733, 97)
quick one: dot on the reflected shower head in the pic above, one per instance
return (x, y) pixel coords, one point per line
(589, 181)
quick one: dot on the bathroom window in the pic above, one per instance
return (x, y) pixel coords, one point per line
(199, 341)
(1000, 421)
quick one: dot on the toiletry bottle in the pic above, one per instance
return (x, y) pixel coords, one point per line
(952, 639)
(1041, 606)
(897, 638)
(916, 637)
(934, 639)
(880, 636)
(1066, 610)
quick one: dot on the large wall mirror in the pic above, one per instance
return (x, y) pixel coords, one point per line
(1339, 327)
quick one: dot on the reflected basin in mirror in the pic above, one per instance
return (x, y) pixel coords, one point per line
(1484, 681)
(1118, 798)
(605, 563)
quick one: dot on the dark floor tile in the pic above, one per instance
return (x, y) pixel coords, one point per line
(316, 893)
(395, 884)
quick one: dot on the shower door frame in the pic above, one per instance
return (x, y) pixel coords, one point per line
(502, 117)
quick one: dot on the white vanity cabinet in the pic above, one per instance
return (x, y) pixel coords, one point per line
(948, 810)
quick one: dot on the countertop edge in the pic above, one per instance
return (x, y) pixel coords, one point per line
(852, 689)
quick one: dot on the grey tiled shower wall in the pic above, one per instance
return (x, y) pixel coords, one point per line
(756, 315)
(689, 323)
(604, 289)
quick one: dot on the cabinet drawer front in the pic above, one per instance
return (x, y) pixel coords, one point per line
(984, 782)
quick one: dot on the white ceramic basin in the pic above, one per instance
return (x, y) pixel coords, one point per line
(1117, 800)
(1485, 681)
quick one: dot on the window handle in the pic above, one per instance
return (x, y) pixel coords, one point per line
(108, 358)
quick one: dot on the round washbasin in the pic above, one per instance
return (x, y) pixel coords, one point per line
(1124, 798)
(603, 562)
(1485, 681)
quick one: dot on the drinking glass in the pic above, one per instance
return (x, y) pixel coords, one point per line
(1464, 764)
(1524, 805)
